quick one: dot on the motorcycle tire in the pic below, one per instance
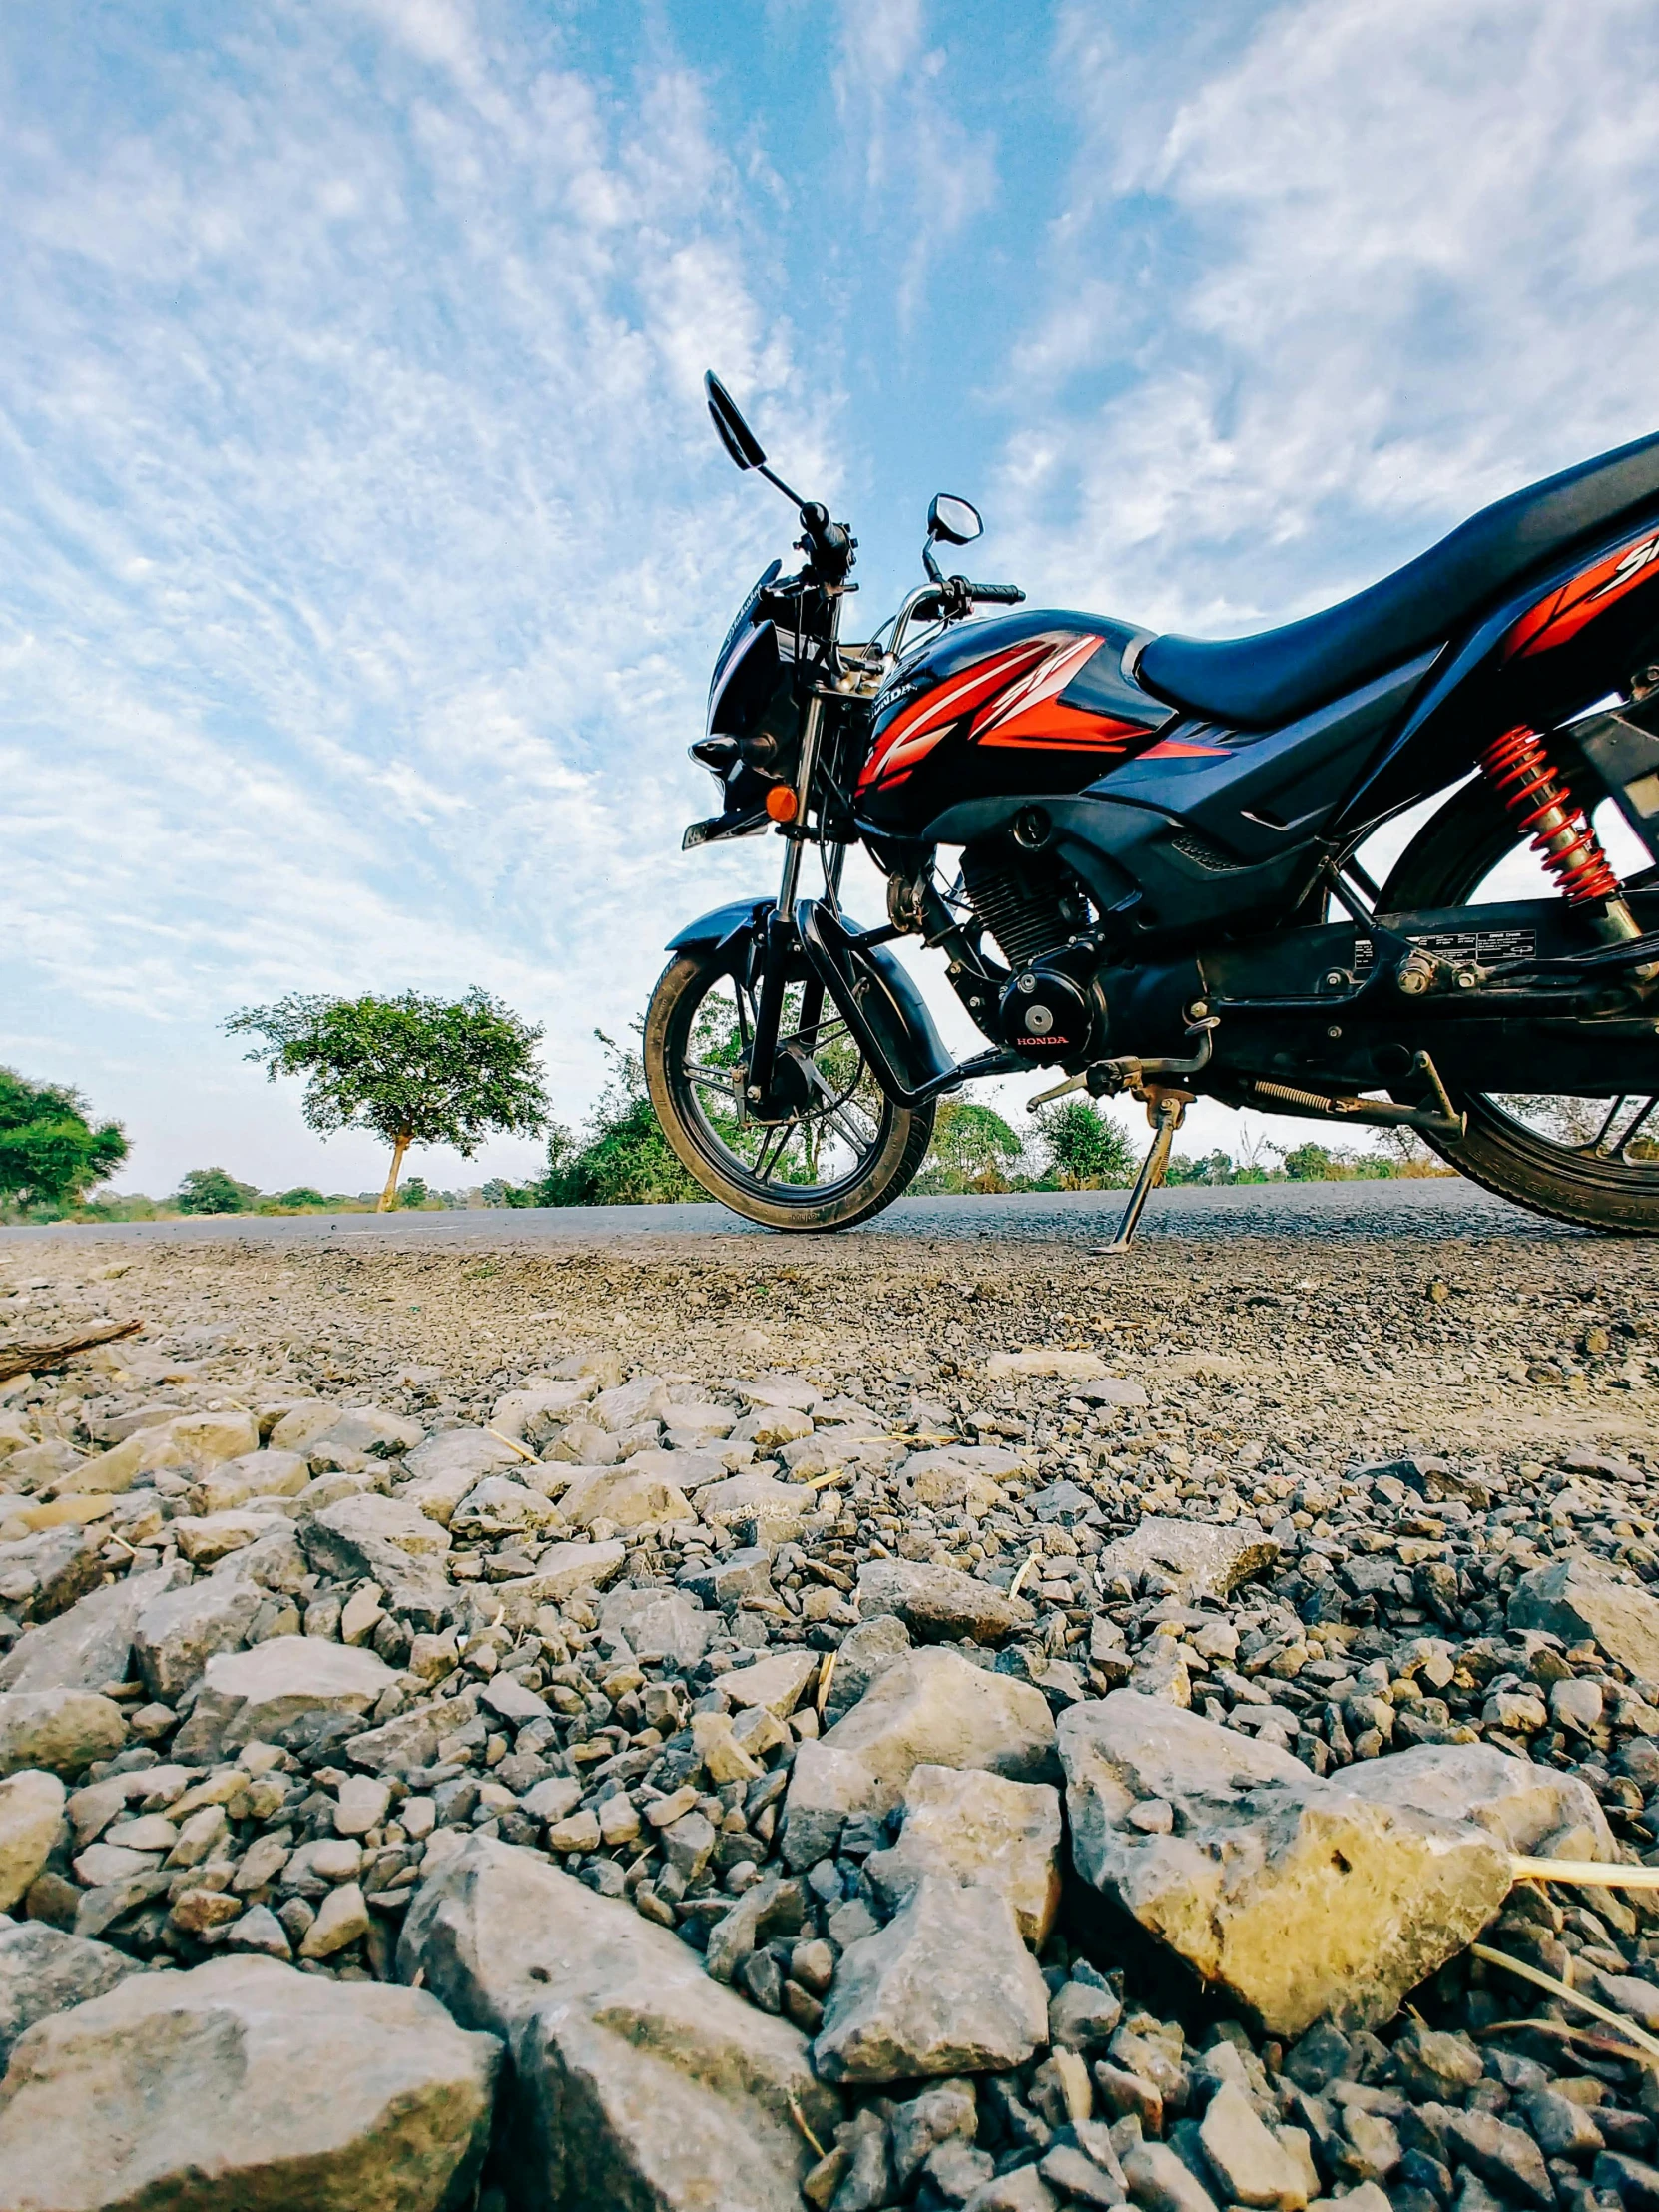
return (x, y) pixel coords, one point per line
(899, 1140)
(1445, 866)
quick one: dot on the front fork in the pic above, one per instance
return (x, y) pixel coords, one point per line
(781, 933)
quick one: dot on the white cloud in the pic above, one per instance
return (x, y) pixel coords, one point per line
(357, 516)
(1381, 263)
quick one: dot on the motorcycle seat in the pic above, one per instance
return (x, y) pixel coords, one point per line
(1260, 681)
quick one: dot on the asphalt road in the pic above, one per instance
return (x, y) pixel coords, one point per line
(1429, 1210)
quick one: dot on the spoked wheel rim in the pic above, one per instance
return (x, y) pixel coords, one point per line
(828, 1121)
(1607, 1143)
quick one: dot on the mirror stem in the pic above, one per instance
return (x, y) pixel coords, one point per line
(761, 469)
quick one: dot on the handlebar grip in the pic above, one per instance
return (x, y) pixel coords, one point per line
(999, 595)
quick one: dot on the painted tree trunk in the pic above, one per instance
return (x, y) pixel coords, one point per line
(388, 1197)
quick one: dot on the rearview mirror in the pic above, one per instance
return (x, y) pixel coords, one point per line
(734, 433)
(955, 520)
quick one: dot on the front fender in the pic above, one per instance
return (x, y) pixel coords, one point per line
(744, 917)
(881, 1003)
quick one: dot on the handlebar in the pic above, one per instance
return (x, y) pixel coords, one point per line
(999, 595)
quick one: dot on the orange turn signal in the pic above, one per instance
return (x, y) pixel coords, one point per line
(780, 802)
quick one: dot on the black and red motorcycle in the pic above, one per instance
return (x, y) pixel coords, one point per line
(1155, 888)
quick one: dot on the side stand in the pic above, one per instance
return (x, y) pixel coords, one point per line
(1166, 1110)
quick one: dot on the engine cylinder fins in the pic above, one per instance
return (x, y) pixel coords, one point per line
(1029, 910)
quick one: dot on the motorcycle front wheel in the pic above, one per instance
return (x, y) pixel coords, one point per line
(1590, 1161)
(831, 1150)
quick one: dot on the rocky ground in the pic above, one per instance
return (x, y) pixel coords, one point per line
(904, 1725)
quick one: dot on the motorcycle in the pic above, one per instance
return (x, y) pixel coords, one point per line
(1155, 888)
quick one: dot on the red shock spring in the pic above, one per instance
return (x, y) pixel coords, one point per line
(1521, 770)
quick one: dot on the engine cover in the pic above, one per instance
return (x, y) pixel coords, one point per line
(1045, 1014)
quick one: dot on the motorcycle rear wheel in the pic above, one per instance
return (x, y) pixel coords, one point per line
(849, 1151)
(1523, 1147)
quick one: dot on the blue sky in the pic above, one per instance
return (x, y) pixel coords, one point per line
(363, 541)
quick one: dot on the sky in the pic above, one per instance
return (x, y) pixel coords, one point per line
(363, 542)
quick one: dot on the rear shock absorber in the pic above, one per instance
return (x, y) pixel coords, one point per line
(1518, 767)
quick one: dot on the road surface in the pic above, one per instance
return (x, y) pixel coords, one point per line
(1412, 1209)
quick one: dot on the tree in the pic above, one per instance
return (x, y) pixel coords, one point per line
(1086, 1151)
(973, 1149)
(414, 1070)
(621, 1157)
(50, 1153)
(302, 1194)
(212, 1191)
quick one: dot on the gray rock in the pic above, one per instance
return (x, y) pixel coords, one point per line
(535, 1413)
(725, 1583)
(777, 1682)
(625, 1500)
(1202, 1559)
(1160, 2181)
(931, 1708)
(43, 1971)
(945, 2111)
(940, 1604)
(1083, 2013)
(1561, 2128)
(89, 1644)
(1517, 1801)
(179, 1632)
(60, 1730)
(976, 1827)
(561, 1571)
(1502, 2155)
(1295, 1895)
(865, 1655)
(291, 1690)
(947, 1987)
(1576, 1603)
(274, 1560)
(243, 2081)
(388, 1541)
(771, 1906)
(42, 1575)
(635, 2078)
(772, 1513)
(1251, 2163)
(658, 1624)
(31, 1811)
(504, 1506)
(442, 1471)
(1080, 2179)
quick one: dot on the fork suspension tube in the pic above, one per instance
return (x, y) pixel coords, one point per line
(810, 731)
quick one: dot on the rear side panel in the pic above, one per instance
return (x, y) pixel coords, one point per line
(1539, 658)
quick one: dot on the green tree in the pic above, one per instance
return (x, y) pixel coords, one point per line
(621, 1157)
(301, 1195)
(50, 1152)
(1084, 1149)
(213, 1191)
(973, 1149)
(414, 1070)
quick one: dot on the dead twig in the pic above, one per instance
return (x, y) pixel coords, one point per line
(509, 1443)
(1540, 1980)
(800, 2119)
(41, 1359)
(1590, 1874)
(1607, 2047)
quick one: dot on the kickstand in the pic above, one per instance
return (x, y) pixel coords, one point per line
(1165, 1110)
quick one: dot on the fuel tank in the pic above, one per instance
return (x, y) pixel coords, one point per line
(1035, 703)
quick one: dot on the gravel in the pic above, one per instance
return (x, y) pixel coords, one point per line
(1405, 1428)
